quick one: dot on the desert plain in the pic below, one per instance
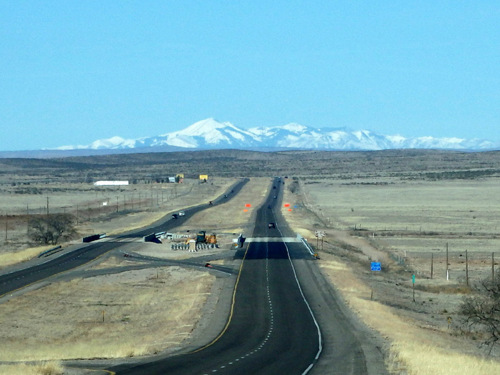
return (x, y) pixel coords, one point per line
(405, 210)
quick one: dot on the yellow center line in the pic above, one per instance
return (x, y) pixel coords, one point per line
(232, 308)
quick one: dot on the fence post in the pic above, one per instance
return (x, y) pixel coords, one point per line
(432, 265)
(466, 268)
(447, 271)
(493, 267)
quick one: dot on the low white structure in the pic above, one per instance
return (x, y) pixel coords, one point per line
(110, 183)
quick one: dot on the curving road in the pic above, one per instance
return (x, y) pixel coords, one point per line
(85, 253)
(285, 318)
(271, 329)
(275, 319)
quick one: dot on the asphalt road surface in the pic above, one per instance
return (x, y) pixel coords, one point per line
(277, 324)
(85, 253)
(271, 329)
(285, 318)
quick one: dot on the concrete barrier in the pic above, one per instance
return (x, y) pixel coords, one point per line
(153, 237)
(94, 237)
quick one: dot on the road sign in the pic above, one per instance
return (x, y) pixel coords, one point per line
(413, 279)
(376, 266)
(319, 233)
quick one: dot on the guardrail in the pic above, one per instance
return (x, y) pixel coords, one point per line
(306, 244)
(49, 252)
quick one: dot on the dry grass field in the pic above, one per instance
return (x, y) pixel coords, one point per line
(400, 223)
(412, 220)
(397, 207)
(107, 210)
(126, 313)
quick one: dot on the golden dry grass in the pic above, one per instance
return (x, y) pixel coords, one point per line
(188, 194)
(414, 349)
(43, 368)
(231, 217)
(417, 359)
(8, 259)
(126, 314)
(145, 311)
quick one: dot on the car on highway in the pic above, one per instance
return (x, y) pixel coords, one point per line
(175, 216)
(182, 213)
(271, 225)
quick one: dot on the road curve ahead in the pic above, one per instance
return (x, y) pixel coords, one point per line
(85, 253)
(271, 329)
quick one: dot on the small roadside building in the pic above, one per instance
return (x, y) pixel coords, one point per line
(110, 183)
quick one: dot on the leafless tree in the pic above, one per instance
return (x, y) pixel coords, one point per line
(481, 311)
(51, 229)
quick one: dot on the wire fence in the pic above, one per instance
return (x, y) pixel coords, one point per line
(461, 266)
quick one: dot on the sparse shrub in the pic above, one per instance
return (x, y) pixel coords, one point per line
(51, 229)
(293, 187)
(481, 311)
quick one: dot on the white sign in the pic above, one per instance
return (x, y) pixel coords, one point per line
(319, 233)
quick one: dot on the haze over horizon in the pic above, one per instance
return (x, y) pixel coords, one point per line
(72, 73)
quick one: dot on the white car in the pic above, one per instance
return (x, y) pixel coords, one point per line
(181, 213)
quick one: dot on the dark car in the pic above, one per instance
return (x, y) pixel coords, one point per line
(271, 225)
(175, 216)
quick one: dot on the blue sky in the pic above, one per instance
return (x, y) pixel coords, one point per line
(72, 72)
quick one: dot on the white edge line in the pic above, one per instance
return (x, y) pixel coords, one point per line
(320, 340)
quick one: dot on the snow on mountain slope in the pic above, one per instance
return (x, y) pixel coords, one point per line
(210, 133)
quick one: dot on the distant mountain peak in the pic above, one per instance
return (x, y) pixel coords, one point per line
(210, 134)
(204, 127)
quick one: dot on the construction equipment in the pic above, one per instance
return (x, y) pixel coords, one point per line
(203, 237)
(211, 239)
(200, 237)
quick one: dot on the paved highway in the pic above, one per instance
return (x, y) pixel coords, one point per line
(285, 318)
(271, 328)
(85, 253)
(277, 324)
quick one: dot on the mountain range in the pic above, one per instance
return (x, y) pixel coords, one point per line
(212, 134)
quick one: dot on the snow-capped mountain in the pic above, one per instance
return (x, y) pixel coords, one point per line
(211, 134)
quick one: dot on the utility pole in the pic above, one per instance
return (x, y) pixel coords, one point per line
(432, 264)
(493, 267)
(466, 268)
(447, 271)
(47, 206)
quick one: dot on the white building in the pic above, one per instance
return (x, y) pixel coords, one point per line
(110, 183)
